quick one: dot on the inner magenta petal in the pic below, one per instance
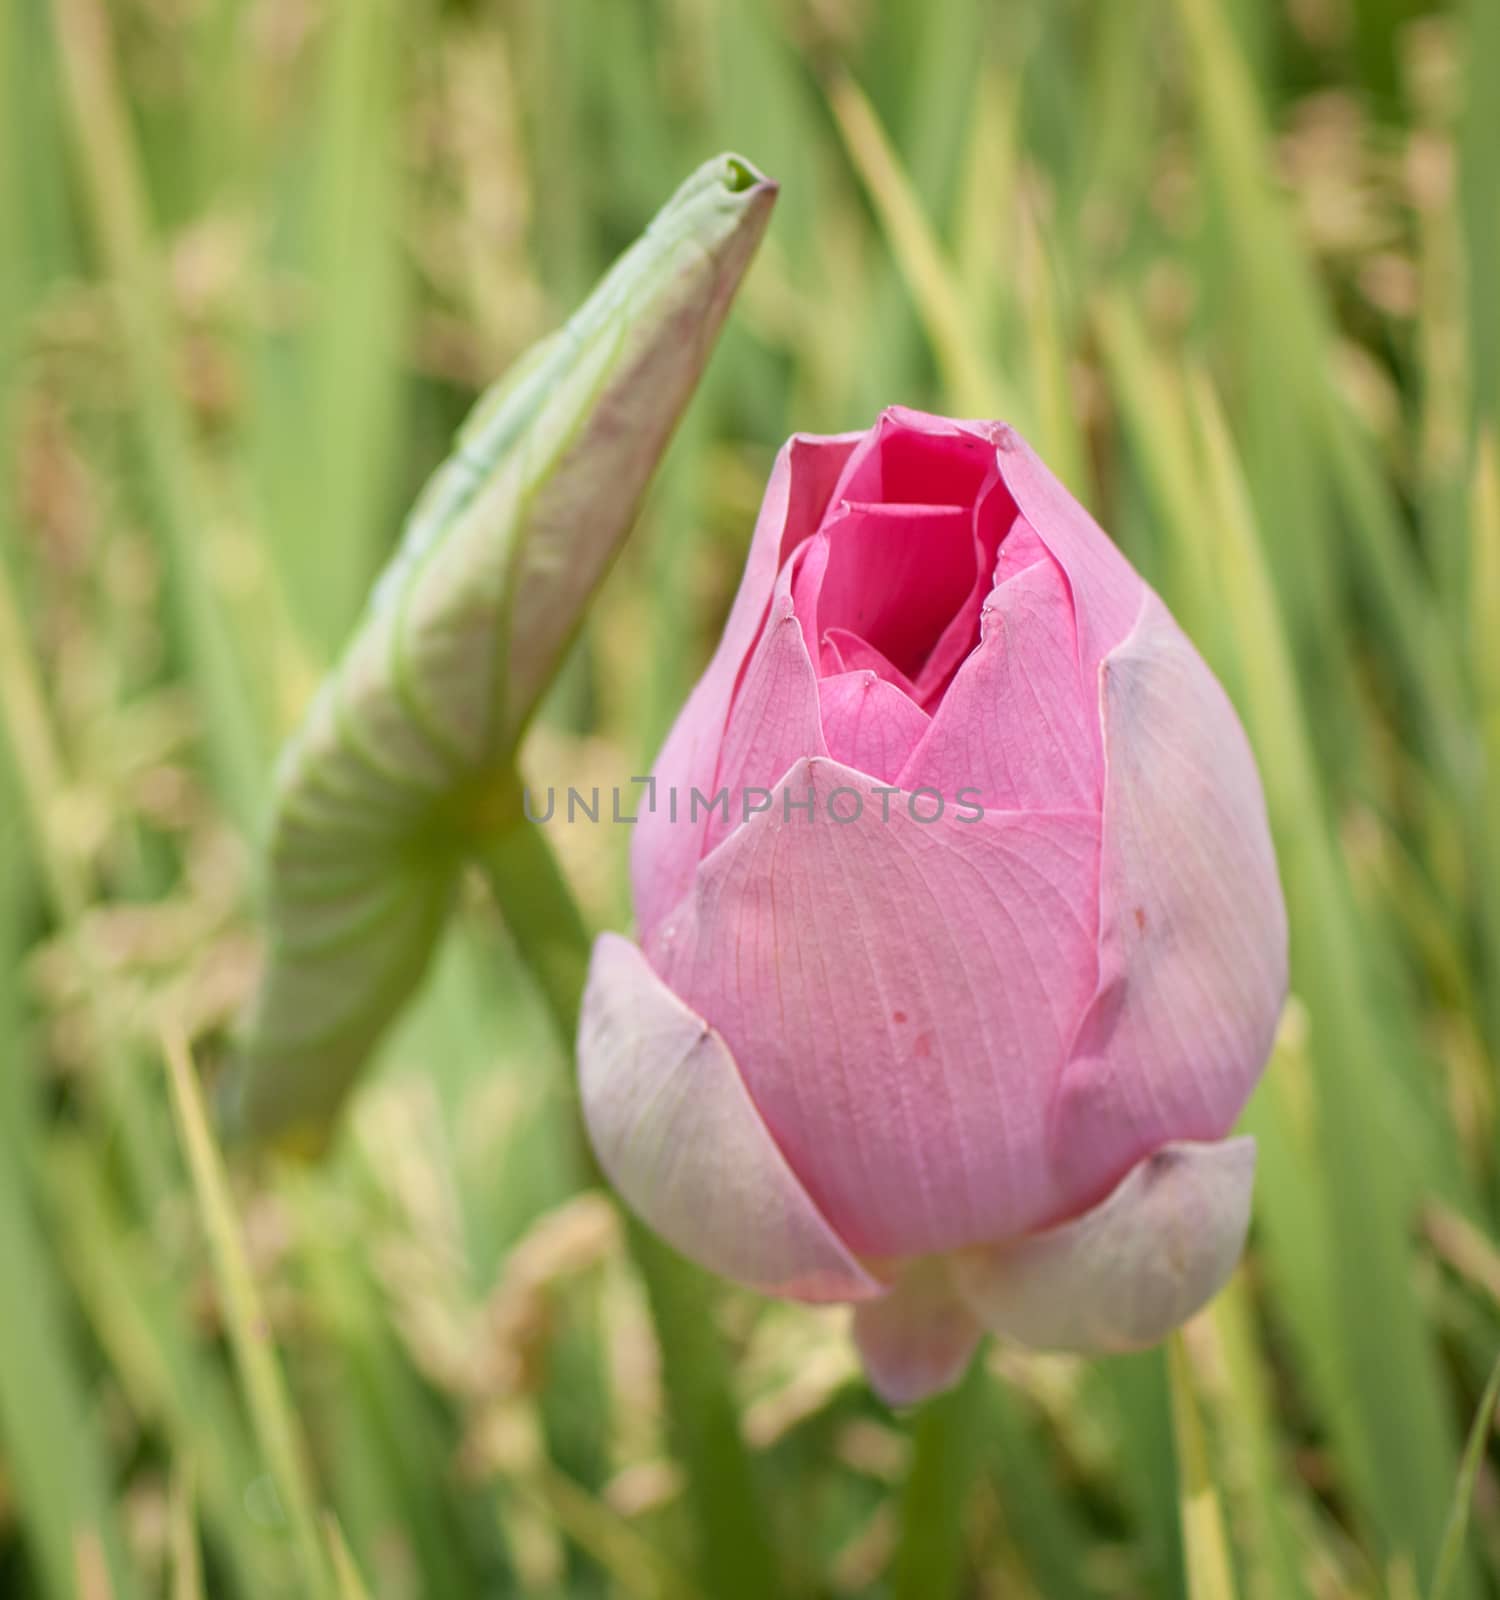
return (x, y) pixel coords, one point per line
(946, 469)
(896, 575)
(995, 521)
(905, 459)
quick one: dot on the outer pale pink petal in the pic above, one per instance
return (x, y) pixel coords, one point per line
(1015, 722)
(682, 1141)
(774, 721)
(1192, 932)
(663, 855)
(1019, 550)
(1123, 1275)
(899, 996)
(1106, 588)
(917, 1340)
(870, 724)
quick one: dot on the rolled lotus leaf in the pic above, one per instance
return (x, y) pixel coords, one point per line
(408, 747)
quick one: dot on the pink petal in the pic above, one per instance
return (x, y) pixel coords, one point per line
(1015, 722)
(916, 458)
(1123, 1275)
(775, 718)
(911, 455)
(917, 1340)
(868, 724)
(895, 576)
(1192, 933)
(663, 855)
(1019, 550)
(847, 652)
(991, 519)
(1106, 589)
(899, 996)
(681, 1140)
(808, 566)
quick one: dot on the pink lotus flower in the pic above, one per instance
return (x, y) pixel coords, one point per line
(956, 971)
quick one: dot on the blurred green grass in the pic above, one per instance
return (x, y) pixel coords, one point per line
(1232, 265)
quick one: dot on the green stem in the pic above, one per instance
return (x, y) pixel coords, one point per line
(928, 1562)
(734, 1547)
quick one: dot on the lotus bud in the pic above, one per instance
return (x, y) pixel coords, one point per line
(961, 943)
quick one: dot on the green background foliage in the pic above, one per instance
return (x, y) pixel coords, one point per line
(1233, 266)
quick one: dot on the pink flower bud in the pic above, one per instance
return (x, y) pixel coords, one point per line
(961, 940)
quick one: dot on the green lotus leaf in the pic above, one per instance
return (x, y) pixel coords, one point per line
(395, 771)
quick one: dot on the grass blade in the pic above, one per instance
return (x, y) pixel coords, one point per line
(265, 1390)
(1481, 213)
(1463, 1490)
(328, 392)
(116, 190)
(973, 388)
(1248, 1423)
(169, 1381)
(1286, 326)
(1484, 643)
(182, 1535)
(1406, 1450)
(1210, 1574)
(52, 1447)
(347, 1582)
